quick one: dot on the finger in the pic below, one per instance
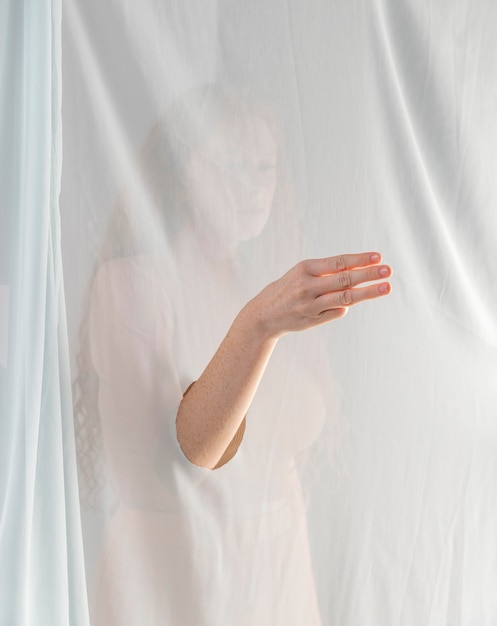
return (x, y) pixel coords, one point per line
(350, 278)
(333, 264)
(350, 297)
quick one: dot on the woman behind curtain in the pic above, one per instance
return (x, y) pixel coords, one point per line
(208, 529)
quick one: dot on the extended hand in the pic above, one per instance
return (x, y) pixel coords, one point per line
(317, 291)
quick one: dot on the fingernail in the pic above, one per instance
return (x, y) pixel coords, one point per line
(384, 288)
(384, 271)
(374, 258)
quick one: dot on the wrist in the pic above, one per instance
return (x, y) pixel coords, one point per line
(256, 324)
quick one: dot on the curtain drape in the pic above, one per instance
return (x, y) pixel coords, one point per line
(41, 567)
(209, 147)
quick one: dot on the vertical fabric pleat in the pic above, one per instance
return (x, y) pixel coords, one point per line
(41, 568)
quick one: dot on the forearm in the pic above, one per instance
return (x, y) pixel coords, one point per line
(212, 411)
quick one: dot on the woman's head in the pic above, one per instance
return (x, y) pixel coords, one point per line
(213, 160)
(231, 179)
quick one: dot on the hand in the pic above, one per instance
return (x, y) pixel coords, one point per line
(318, 291)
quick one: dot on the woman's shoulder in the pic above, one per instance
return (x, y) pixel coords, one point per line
(132, 289)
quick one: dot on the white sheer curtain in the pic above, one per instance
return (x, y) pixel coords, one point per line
(41, 568)
(209, 147)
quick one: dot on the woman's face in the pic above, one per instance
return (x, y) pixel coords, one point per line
(231, 180)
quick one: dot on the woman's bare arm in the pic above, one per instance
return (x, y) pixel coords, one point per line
(313, 292)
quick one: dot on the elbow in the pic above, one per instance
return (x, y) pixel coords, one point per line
(195, 450)
(208, 451)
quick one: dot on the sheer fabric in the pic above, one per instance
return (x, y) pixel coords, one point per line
(208, 148)
(362, 492)
(42, 578)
